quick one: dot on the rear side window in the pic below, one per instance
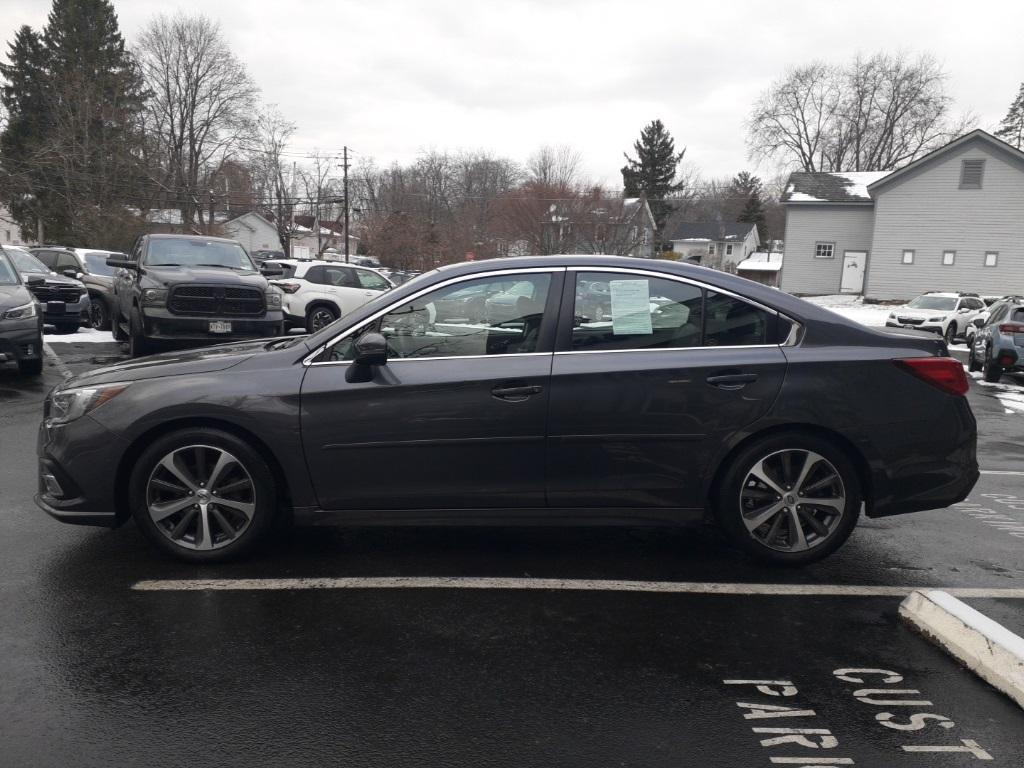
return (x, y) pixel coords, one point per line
(49, 258)
(731, 322)
(623, 311)
(371, 280)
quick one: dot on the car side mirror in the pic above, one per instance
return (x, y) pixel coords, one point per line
(121, 263)
(70, 273)
(31, 280)
(979, 322)
(371, 350)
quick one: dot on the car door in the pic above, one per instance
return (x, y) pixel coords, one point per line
(646, 388)
(455, 419)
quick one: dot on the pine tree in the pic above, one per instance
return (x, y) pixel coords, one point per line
(1011, 129)
(652, 174)
(746, 195)
(74, 96)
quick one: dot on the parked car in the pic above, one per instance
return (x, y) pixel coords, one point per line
(316, 293)
(21, 319)
(776, 417)
(998, 345)
(64, 300)
(90, 266)
(948, 314)
(263, 255)
(191, 288)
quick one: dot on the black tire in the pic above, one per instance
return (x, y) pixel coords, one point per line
(950, 334)
(264, 497)
(728, 503)
(992, 372)
(31, 367)
(99, 314)
(116, 329)
(66, 328)
(319, 316)
(138, 346)
(972, 362)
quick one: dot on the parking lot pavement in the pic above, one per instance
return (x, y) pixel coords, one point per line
(97, 672)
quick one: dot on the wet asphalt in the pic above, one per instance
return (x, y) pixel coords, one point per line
(95, 673)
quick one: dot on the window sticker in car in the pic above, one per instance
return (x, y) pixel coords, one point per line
(631, 307)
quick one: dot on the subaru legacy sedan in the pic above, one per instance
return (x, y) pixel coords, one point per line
(686, 393)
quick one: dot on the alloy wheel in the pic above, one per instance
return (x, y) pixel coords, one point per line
(200, 497)
(321, 318)
(792, 500)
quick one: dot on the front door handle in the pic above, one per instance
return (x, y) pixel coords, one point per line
(732, 380)
(516, 394)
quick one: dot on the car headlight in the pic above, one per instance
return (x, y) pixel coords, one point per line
(892, 315)
(66, 405)
(273, 298)
(938, 319)
(24, 312)
(154, 296)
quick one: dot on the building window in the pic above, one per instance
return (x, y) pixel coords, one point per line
(908, 257)
(728, 250)
(711, 249)
(971, 174)
(948, 258)
(991, 258)
(824, 250)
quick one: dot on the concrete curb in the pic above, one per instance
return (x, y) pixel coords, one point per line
(985, 647)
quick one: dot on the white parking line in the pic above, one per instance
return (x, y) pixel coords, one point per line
(1001, 472)
(64, 370)
(586, 585)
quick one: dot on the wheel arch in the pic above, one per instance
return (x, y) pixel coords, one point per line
(138, 445)
(853, 453)
(321, 302)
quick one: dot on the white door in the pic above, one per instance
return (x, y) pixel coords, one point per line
(853, 272)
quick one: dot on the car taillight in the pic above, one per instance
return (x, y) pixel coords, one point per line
(286, 287)
(943, 372)
(1011, 328)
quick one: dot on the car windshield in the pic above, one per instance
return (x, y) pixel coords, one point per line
(7, 274)
(96, 263)
(945, 303)
(26, 263)
(195, 252)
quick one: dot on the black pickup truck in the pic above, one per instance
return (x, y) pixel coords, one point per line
(191, 288)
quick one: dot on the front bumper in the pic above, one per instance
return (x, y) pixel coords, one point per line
(926, 326)
(21, 339)
(161, 324)
(70, 487)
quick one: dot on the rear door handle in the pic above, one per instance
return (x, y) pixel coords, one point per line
(516, 394)
(732, 380)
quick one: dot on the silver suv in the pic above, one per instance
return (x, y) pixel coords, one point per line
(998, 345)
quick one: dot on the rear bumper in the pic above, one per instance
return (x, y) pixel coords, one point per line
(71, 313)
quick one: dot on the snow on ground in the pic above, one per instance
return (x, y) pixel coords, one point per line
(854, 308)
(88, 335)
(1010, 396)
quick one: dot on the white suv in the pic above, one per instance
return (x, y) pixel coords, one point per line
(316, 293)
(948, 314)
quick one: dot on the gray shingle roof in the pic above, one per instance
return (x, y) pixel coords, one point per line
(851, 187)
(711, 230)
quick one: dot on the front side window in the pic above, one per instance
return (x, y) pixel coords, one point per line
(67, 261)
(372, 281)
(488, 316)
(622, 311)
(824, 250)
(96, 263)
(49, 258)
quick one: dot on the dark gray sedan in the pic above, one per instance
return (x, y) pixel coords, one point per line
(691, 393)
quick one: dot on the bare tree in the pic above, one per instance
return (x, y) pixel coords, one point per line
(877, 113)
(269, 166)
(558, 166)
(201, 105)
(320, 192)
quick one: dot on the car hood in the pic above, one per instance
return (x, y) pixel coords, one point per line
(13, 296)
(923, 314)
(53, 279)
(205, 360)
(205, 275)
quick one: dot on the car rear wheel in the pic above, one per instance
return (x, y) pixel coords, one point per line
(137, 344)
(99, 314)
(319, 317)
(789, 499)
(203, 495)
(992, 371)
(972, 360)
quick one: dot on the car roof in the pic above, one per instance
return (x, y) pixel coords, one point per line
(192, 237)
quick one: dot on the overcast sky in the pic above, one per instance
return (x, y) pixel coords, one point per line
(391, 78)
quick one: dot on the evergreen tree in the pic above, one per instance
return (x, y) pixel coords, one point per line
(75, 97)
(746, 196)
(1011, 129)
(653, 173)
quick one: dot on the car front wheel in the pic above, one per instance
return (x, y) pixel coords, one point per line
(789, 499)
(950, 333)
(203, 495)
(972, 360)
(992, 371)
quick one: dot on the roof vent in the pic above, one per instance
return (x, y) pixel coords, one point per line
(971, 172)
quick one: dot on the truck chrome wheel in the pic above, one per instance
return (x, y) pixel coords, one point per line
(200, 497)
(792, 500)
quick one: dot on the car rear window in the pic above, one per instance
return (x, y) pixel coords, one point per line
(1018, 315)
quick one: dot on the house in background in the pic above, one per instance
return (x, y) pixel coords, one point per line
(761, 267)
(10, 232)
(715, 244)
(253, 231)
(951, 220)
(615, 225)
(318, 236)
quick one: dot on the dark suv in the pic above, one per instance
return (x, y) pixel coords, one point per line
(191, 288)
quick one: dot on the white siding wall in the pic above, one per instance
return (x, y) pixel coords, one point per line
(848, 226)
(929, 213)
(253, 232)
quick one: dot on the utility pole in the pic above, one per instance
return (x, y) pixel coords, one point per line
(344, 187)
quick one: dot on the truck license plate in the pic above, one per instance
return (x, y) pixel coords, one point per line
(219, 326)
